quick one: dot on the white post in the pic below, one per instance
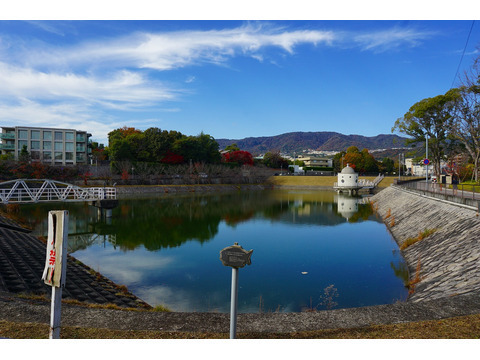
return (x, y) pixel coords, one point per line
(233, 304)
(54, 273)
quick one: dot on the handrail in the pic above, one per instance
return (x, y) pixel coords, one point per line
(462, 191)
(19, 191)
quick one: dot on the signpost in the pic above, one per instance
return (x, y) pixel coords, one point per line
(235, 257)
(54, 273)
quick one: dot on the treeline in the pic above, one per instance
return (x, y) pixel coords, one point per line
(161, 146)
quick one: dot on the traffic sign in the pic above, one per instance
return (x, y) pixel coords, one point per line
(426, 162)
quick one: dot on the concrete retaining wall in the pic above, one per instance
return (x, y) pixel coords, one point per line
(447, 263)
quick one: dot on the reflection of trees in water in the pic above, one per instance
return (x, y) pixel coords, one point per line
(400, 270)
(170, 221)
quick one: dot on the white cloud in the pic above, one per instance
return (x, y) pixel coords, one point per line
(391, 38)
(123, 87)
(170, 50)
(78, 85)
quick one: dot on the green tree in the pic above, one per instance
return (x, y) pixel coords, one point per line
(24, 156)
(160, 142)
(201, 148)
(337, 161)
(428, 118)
(388, 165)
(273, 159)
(232, 147)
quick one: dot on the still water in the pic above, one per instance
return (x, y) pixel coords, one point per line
(308, 247)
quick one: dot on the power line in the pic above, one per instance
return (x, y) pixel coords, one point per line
(463, 53)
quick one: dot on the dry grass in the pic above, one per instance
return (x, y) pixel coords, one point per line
(326, 181)
(464, 327)
(421, 235)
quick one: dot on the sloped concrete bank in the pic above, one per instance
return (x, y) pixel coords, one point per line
(445, 263)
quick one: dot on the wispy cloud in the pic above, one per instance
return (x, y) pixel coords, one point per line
(52, 84)
(171, 50)
(389, 39)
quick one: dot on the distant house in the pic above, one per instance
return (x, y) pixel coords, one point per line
(49, 145)
(313, 161)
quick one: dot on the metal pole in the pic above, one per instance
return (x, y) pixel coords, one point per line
(233, 304)
(398, 166)
(55, 312)
(426, 157)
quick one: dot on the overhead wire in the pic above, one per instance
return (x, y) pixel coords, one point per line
(463, 54)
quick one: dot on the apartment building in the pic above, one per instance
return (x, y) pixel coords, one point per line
(49, 145)
(316, 161)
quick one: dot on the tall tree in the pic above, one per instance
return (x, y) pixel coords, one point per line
(428, 118)
(464, 125)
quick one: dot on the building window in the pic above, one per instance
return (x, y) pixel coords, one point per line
(22, 143)
(58, 135)
(47, 156)
(35, 135)
(22, 134)
(47, 135)
(58, 156)
(80, 137)
(35, 155)
(80, 147)
(80, 157)
(35, 145)
(58, 146)
(69, 136)
(68, 146)
(69, 156)
(47, 145)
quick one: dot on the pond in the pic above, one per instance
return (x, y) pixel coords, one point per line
(311, 250)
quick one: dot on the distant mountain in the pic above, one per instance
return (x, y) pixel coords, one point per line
(326, 141)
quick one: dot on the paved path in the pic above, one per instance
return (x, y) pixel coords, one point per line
(22, 310)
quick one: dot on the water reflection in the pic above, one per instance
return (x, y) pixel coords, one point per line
(165, 249)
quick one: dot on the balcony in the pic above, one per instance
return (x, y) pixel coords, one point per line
(7, 146)
(7, 136)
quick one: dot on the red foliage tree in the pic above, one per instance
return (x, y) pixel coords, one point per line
(172, 159)
(240, 157)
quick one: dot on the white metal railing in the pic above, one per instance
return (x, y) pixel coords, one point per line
(44, 190)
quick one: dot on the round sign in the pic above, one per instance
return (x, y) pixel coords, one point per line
(426, 162)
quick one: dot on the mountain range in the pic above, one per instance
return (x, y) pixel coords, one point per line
(319, 141)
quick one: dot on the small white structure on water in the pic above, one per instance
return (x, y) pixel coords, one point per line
(347, 181)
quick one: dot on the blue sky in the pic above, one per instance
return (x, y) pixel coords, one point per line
(230, 79)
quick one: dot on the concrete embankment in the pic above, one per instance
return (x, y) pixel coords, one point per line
(446, 262)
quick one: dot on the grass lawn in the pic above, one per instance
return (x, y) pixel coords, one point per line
(326, 181)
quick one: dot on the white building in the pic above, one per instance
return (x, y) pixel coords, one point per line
(48, 145)
(347, 181)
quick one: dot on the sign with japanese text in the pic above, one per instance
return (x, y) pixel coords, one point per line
(56, 257)
(235, 256)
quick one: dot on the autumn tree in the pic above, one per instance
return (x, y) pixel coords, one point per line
(239, 157)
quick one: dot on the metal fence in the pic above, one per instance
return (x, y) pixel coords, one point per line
(461, 191)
